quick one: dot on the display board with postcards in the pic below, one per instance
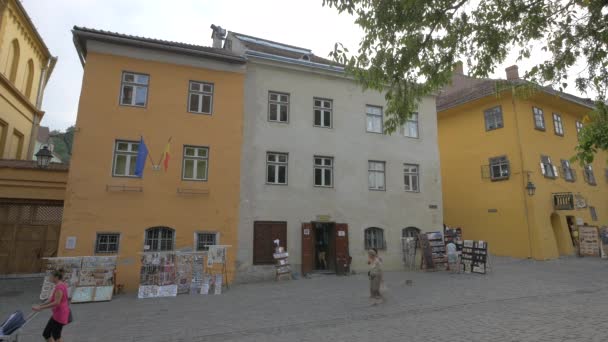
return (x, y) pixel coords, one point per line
(89, 278)
(282, 267)
(474, 256)
(408, 247)
(589, 241)
(433, 250)
(604, 242)
(157, 275)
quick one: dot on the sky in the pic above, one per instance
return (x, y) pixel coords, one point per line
(304, 23)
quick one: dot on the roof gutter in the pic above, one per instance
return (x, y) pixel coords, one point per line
(150, 45)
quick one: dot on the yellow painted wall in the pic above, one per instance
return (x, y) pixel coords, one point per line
(15, 116)
(18, 183)
(520, 219)
(91, 208)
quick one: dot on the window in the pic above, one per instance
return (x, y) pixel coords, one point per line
(568, 172)
(593, 213)
(376, 175)
(411, 177)
(589, 176)
(200, 97)
(125, 157)
(374, 238)
(558, 125)
(499, 168)
(3, 136)
(493, 117)
(12, 61)
(579, 126)
(16, 148)
(278, 107)
(159, 239)
(264, 233)
(547, 168)
(323, 112)
(374, 119)
(196, 163)
(410, 128)
(134, 89)
(107, 243)
(276, 168)
(539, 118)
(410, 232)
(204, 240)
(324, 169)
(28, 78)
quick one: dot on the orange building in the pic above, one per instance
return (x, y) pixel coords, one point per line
(137, 87)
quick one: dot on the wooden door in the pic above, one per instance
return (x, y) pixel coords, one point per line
(308, 258)
(7, 245)
(341, 245)
(29, 249)
(264, 233)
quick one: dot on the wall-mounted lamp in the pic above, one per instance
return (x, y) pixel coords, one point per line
(530, 187)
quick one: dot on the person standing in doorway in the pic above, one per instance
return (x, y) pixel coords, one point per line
(58, 301)
(375, 277)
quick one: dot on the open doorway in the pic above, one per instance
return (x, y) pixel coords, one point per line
(325, 247)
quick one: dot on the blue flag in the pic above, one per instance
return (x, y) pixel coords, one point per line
(140, 162)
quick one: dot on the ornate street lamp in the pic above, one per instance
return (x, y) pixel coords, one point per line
(44, 156)
(531, 188)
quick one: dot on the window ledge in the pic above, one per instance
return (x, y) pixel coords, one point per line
(124, 188)
(500, 179)
(190, 191)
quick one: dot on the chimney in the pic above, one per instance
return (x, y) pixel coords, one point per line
(458, 68)
(512, 73)
(218, 35)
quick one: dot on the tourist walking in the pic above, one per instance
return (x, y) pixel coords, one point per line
(375, 277)
(58, 301)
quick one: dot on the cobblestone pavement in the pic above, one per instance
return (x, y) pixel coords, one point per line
(520, 300)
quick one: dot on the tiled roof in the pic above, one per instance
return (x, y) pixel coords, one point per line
(280, 49)
(31, 164)
(480, 88)
(155, 43)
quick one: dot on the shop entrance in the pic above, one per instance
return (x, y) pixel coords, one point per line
(325, 247)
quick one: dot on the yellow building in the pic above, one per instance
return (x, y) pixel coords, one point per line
(137, 87)
(499, 138)
(25, 67)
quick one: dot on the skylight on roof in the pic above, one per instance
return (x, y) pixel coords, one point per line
(274, 45)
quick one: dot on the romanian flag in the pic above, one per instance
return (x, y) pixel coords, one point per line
(167, 155)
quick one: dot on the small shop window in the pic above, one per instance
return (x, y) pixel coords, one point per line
(107, 243)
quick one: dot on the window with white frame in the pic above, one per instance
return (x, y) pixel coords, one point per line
(278, 107)
(493, 118)
(376, 179)
(547, 168)
(539, 118)
(196, 163)
(579, 127)
(558, 125)
(324, 171)
(200, 97)
(374, 238)
(206, 239)
(276, 168)
(134, 89)
(567, 171)
(410, 127)
(374, 119)
(323, 109)
(589, 176)
(125, 157)
(411, 177)
(159, 239)
(499, 168)
(593, 213)
(107, 243)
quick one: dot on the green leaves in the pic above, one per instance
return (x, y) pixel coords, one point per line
(409, 46)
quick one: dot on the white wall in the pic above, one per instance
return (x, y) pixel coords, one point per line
(349, 201)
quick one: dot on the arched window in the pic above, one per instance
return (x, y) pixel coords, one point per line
(28, 78)
(12, 61)
(410, 232)
(159, 239)
(374, 238)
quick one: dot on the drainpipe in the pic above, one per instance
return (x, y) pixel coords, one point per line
(523, 171)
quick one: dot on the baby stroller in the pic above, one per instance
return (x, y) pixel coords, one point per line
(12, 326)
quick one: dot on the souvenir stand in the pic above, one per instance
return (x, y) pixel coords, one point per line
(474, 256)
(604, 242)
(589, 241)
(89, 278)
(216, 274)
(157, 275)
(282, 267)
(433, 251)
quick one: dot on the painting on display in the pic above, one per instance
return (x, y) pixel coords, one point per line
(157, 275)
(216, 255)
(70, 267)
(183, 276)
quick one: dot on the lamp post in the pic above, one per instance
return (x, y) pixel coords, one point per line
(43, 157)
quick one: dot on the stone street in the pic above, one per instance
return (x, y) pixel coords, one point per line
(520, 300)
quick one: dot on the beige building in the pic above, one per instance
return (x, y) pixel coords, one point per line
(25, 67)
